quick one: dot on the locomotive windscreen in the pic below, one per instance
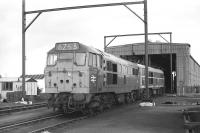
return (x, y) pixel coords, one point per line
(66, 56)
(79, 59)
(51, 59)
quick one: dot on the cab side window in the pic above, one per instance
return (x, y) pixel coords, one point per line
(90, 59)
(109, 65)
(99, 61)
(94, 57)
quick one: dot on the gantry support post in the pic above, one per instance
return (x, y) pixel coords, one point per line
(23, 45)
(171, 65)
(146, 49)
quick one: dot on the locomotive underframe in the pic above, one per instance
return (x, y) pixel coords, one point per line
(87, 103)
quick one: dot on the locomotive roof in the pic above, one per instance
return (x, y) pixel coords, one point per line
(117, 59)
(151, 69)
(110, 56)
(85, 48)
(82, 48)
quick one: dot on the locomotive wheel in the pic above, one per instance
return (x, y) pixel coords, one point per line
(133, 97)
(91, 112)
(108, 106)
(64, 109)
(85, 111)
(100, 108)
(128, 98)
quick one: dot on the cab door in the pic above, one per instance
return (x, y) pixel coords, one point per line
(93, 79)
(93, 72)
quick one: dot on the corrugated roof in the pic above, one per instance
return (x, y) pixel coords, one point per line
(37, 76)
(150, 43)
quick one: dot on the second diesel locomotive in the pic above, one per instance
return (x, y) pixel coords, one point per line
(82, 78)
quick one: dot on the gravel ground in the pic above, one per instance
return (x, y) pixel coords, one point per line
(161, 118)
(135, 119)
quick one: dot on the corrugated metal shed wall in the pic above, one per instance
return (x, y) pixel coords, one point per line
(188, 70)
(193, 76)
(182, 69)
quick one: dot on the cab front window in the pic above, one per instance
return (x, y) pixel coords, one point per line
(80, 59)
(77, 58)
(51, 59)
(66, 56)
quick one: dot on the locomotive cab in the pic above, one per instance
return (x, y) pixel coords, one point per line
(66, 69)
(71, 73)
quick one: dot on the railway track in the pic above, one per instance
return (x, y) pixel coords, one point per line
(58, 124)
(10, 126)
(44, 124)
(69, 121)
(39, 125)
(6, 110)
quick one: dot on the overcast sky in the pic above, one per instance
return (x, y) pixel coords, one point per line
(89, 26)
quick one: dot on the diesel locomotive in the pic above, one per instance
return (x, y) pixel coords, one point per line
(83, 78)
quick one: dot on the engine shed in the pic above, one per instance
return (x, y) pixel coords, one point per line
(185, 70)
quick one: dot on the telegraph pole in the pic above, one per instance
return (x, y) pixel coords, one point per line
(23, 44)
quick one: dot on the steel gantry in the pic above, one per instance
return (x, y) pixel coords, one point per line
(39, 12)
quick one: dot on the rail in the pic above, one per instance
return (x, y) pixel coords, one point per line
(25, 122)
(21, 107)
(58, 124)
